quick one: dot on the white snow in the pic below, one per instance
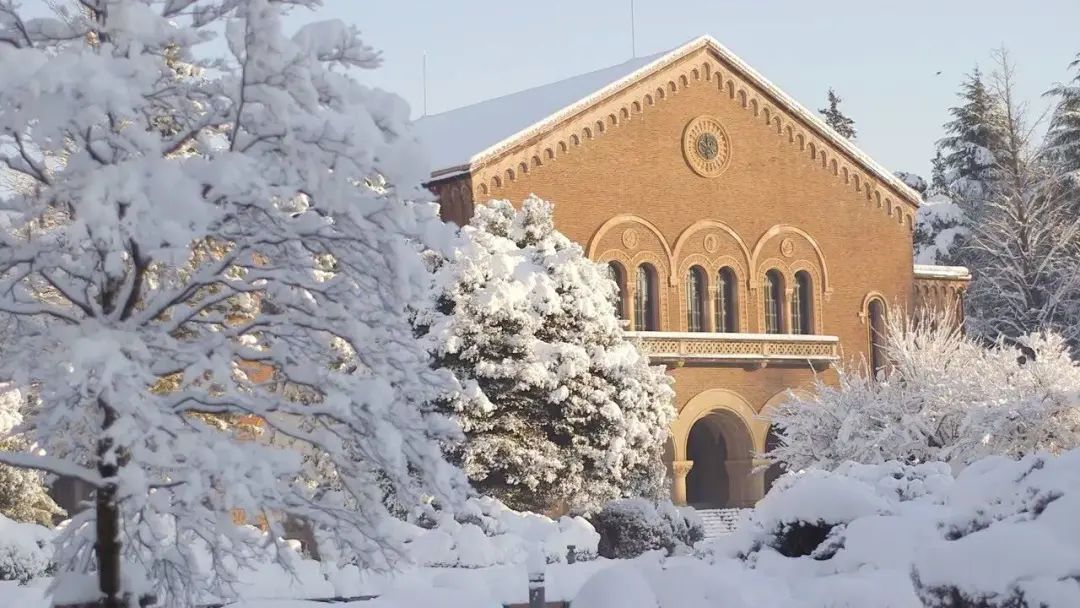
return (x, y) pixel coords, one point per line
(932, 271)
(454, 137)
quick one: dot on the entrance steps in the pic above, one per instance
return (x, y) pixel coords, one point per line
(719, 522)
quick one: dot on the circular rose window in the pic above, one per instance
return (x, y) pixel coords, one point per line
(706, 146)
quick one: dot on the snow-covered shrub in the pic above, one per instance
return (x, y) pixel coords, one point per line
(484, 532)
(25, 550)
(944, 397)
(631, 526)
(1002, 534)
(564, 412)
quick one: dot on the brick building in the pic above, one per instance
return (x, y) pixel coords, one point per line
(754, 247)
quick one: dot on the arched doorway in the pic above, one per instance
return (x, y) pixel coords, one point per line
(721, 449)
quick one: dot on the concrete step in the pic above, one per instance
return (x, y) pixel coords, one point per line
(719, 522)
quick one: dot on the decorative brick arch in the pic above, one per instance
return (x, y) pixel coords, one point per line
(692, 229)
(611, 224)
(778, 230)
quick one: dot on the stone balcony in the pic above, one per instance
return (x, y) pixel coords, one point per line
(739, 349)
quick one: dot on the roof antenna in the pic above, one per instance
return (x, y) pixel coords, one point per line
(423, 77)
(633, 34)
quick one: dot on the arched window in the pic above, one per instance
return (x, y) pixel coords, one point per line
(876, 329)
(617, 274)
(726, 321)
(695, 299)
(773, 290)
(646, 299)
(801, 304)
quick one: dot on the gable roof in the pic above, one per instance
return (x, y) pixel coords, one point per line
(462, 139)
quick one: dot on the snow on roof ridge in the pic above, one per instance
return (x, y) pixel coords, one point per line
(942, 272)
(670, 57)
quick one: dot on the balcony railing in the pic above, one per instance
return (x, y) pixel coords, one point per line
(736, 348)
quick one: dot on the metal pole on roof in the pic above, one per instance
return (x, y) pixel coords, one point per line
(633, 34)
(423, 77)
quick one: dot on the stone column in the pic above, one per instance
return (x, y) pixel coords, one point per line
(747, 486)
(679, 470)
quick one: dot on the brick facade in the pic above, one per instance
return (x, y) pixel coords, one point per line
(788, 198)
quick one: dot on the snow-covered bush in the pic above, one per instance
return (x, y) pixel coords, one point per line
(944, 397)
(631, 526)
(25, 550)
(564, 411)
(1002, 534)
(484, 532)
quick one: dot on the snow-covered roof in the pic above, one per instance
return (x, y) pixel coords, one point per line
(463, 138)
(928, 271)
(455, 137)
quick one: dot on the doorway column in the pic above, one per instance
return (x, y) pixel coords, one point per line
(679, 470)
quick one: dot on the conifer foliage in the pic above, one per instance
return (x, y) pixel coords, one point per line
(563, 411)
(836, 118)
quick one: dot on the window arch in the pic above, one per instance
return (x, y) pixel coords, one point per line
(646, 299)
(802, 309)
(617, 273)
(773, 289)
(726, 320)
(695, 299)
(875, 312)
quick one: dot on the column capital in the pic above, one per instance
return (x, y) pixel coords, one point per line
(682, 467)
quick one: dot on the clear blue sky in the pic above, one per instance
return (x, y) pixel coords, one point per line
(880, 56)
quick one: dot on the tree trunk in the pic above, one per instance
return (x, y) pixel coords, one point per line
(107, 547)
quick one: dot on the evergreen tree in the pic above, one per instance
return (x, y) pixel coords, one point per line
(1063, 136)
(837, 119)
(564, 412)
(974, 139)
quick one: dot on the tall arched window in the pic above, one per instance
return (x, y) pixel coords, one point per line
(617, 274)
(773, 290)
(726, 321)
(646, 299)
(802, 298)
(876, 328)
(695, 299)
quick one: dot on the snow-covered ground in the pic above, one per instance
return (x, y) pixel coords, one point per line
(999, 533)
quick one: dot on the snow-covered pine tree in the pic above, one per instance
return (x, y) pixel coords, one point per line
(837, 119)
(564, 411)
(1024, 243)
(23, 495)
(1063, 136)
(157, 202)
(974, 138)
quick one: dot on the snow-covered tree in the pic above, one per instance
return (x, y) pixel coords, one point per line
(23, 495)
(1024, 243)
(563, 411)
(970, 148)
(1063, 135)
(160, 201)
(836, 119)
(944, 397)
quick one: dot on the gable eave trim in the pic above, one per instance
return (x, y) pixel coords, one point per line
(783, 100)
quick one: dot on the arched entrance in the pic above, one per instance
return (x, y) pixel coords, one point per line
(720, 447)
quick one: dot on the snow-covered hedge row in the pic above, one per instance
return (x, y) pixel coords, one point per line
(631, 526)
(1003, 533)
(488, 533)
(25, 550)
